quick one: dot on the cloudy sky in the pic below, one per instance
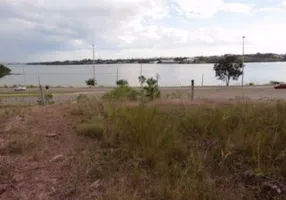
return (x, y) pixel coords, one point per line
(45, 30)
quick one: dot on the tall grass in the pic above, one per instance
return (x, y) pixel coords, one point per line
(203, 152)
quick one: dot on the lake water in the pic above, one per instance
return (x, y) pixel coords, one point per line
(170, 74)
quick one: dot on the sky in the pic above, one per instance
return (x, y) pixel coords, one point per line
(47, 30)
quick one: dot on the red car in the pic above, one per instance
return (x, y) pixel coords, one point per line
(280, 86)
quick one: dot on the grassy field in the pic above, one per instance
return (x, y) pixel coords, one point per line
(125, 150)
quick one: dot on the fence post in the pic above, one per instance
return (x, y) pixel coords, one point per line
(117, 77)
(42, 96)
(193, 91)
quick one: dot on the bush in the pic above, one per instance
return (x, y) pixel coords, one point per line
(151, 90)
(4, 71)
(122, 83)
(122, 93)
(251, 84)
(91, 82)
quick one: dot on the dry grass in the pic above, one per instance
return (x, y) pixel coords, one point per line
(211, 151)
(154, 151)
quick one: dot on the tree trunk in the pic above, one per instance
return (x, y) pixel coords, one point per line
(227, 82)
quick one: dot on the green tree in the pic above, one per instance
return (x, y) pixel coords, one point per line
(91, 82)
(152, 89)
(142, 80)
(227, 68)
(4, 71)
(122, 83)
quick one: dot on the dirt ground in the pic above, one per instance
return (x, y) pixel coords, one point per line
(34, 160)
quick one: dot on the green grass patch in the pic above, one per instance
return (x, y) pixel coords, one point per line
(177, 152)
(20, 94)
(122, 93)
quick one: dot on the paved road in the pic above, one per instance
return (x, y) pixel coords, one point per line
(211, 92)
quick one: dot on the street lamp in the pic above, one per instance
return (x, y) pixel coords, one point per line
(93, 62)
(242, 79)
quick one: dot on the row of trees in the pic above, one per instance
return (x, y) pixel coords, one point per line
(258, 57)
(227, 68)
(4, 71)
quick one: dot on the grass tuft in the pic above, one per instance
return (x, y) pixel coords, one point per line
(93, 129)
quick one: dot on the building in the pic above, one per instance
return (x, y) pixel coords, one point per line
(166, 61)
(188, 60)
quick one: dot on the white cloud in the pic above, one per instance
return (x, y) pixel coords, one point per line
(65, 29)
(269, 9)
(208, 8)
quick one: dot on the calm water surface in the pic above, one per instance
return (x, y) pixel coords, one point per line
(170, 74)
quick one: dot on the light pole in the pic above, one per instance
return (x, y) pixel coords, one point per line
(93, 62)
(242, 78)
(24, 74)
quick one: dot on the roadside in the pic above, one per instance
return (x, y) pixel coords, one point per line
(64, 95)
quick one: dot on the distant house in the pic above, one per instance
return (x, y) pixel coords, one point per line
(188, 60)
(166, 61)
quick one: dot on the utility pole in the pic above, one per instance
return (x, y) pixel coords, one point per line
(24, 74)
(93, 62)
(242, 78)
(117, 77)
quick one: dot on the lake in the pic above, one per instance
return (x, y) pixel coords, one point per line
(170, 74)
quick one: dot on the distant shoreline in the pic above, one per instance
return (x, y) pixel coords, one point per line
(142, 63)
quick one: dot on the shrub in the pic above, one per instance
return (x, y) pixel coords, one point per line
(91, 82)
(121, 93)
(151, 90)
(122, 83)
(251, 84)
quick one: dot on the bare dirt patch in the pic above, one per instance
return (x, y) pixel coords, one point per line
(31, 143)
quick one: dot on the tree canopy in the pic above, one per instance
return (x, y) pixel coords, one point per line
(4, 71)
(91, 82)
(122, 83)
(227, 68)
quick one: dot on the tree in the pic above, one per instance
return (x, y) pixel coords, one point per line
(152, 90)
(227, 68)
(122, 83)
(142, 80)
(91, 82)
(4, 71)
